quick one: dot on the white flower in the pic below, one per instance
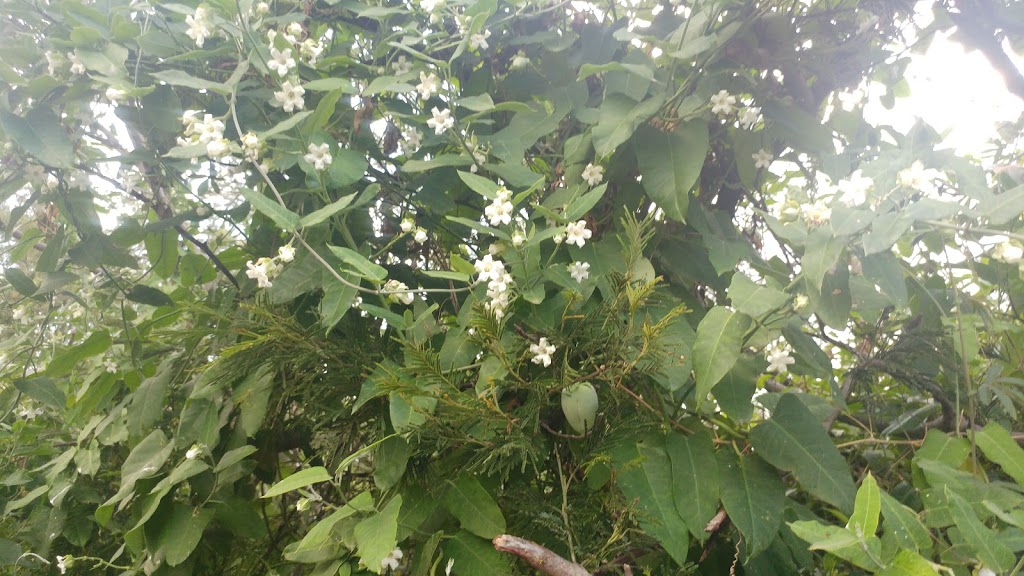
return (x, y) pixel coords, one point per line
(441, 121)
(800, 302)
(293, 31)
(428, 85)
(251, 144)
(194, 452)
(54, 62)
(855, 188)
(593, 174)
(499, 211)
(1008, 252)
(856, 267)
(110, 366)
(542, 352)
(199, 26)
(816, 214)
(399, 292)
(62, 563)
(401, 65)
(479, 40)
(261, 9)
(579, 271)
(518, 238)
(451, 563)
(209, 129)
(749, 116)
(431, 5)
(302, 504)
(577, 233)
(115, 95)
(218, 148)
(311, 49)
(519, 61)
(420, 236)
(413, 139)
(407, 225)
(762, 158)
(261, 271)
(913, 177)
(77, 67)
(779, 361)
(319, 156)
(286, 253)
(393, 560)
(290, 97)
(281, 61)
(489, 269)
(722, 103)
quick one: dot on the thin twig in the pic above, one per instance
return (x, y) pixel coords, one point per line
(538, 556)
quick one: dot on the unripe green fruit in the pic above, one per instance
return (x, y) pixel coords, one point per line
(579, 404)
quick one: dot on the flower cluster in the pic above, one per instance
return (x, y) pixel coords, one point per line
(200, 26)
(263, 269)
(398, 292)
(282, 62)
(500, 211)
(499, 284)
(724, 104)
(208, 131)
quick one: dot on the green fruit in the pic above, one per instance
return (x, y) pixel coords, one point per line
(579, 404)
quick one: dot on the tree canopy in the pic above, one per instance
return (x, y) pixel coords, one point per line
(492, 287)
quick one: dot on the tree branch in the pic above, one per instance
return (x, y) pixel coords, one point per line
(538, 556)
(980, 34)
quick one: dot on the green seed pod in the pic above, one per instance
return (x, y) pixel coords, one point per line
(579, 404)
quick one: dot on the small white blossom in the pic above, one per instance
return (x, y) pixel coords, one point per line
(519, 61)
(281, 61)
(311, 49)
(407, 225)
(115, 95)
(251, 145)
(401, 65)
(194, 452)
(431, 5)
(54, 62)
(261, 271)
(199, 26)
(110, 366)
(593, 174)
(542, 352)
(722, 103)
(579, 271)
(428, 85)
(1008, 252)
(913, 177)
(63, 562)
(261, 9)
(413, 139)
(393, 560)
(816, 214)
(451, 563)
(441, 121)
(77, 67)
(290, 97)
(218, 148)
(319, 156)
(293, 31)
(420, 236)
(479, 41)
(286, 253)
(749, 116)
(489, 269)
(399, 292)
(500, 210)
(800, 302)
(856, 267)
(518, 238)
(762, 158)
(779, 361)
(577, 233)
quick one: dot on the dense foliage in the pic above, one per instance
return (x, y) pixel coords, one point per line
(341, 287)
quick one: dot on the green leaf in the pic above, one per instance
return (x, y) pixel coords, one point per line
(233, 457)
(53, 281)
(907, 563)
(42, 389)
(670, 163)
(719, 338)
(904, 525)
(330, 85)
(300, 479)
(985, 543)
(866, 508)
(645, 476)
(798, 128)
(320, 543)
(21, 281)
(474, 555)
(754, 498)
(347, 168)
(182, 532)
(794, 440)
(321, 215)
(752, 299)
(285, 219)
(640, 71)
(144, 461)
(476, 511)
(619, 118)
(149, 400)
(478, 103)
(40, 134)
(389, 462)
(822, 253)
(1002, 208)
(162, 251)
(999, 447)
(482, 186)
(860, 551)
(96, 344)
(694, 479)
(585, 202)
(441, 161)
(149, 296)
(361, 264)
(337, 300)
(180, 78)
(885, 231)
(376, 536)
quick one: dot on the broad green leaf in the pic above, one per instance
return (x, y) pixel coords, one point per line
(21, 281)
(376, 536)
(150, 400)
(754, 498)
(321, 215)
(180, 78)
(285, 125)
(904, 524)
(907, 563)
(181, 472)
(793, 440)
(644, 72)
(42, 389)
(53, 281)
(162, 251)
(40, 134)
(144, 461)
(619, 118)
(752, 299)
(478, 103)
(985, 544)
(300, 479)
(670, 163)
(148, 295)
(1002, 208)
(285, 219)
(736, 389)
(694, 479)
(360, 264)
(389, 462)
(999, 447)
(347, 168)
(330, 85)
(482, 186)
(442, 161)
(885, 231)
(62, 363)
(864, 552)
(645, 476)
(182, 532)
(233, 457)
(337, 300)
(252, 396)
(823, 250)
(476, 511)
(474, 555)
(319, 542)
(719, 338)
(866, 508)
